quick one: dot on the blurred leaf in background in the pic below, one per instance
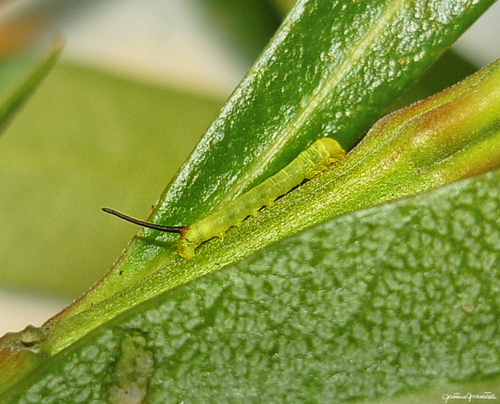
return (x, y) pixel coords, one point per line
(103, 140)
(247, 25)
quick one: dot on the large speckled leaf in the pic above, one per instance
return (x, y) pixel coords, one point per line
(400, 299)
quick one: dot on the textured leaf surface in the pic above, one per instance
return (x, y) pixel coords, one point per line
(398, 299)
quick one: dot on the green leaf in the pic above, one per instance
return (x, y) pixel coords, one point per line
(20, 74)
(330, 70)
(400, 299)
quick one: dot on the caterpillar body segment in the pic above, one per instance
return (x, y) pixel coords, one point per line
(318, 157)
(309, 163)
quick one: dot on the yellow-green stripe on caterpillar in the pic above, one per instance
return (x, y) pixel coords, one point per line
(310, 162)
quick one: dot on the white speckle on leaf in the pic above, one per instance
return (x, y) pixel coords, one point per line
(132, 373)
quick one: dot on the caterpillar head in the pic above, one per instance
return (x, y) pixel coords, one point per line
(334, 149)
(186, 248)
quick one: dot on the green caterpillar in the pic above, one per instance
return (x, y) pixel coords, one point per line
(310, 162)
